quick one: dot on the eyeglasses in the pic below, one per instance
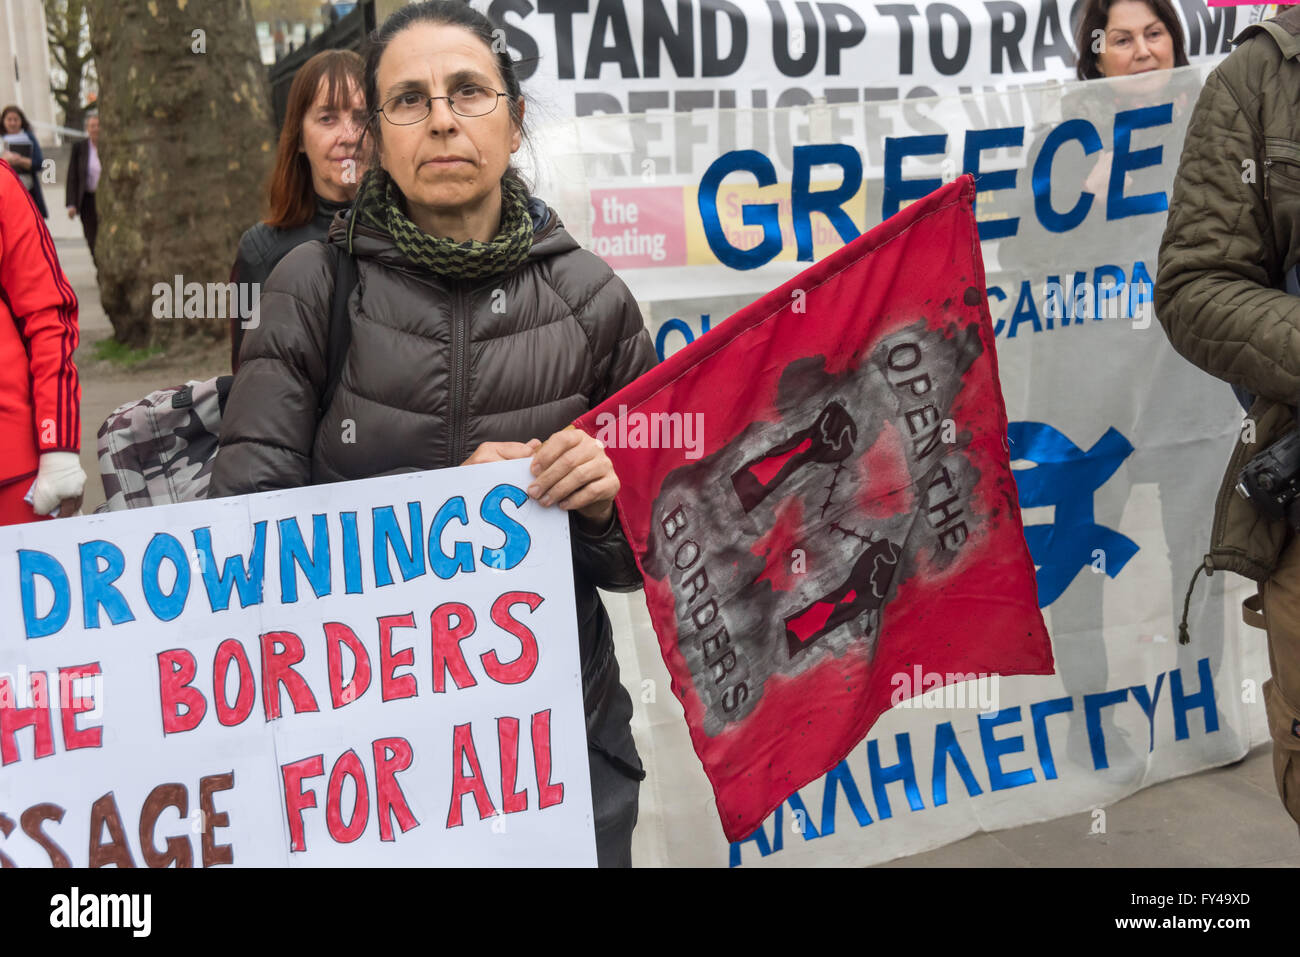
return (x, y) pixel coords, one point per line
(412, 107)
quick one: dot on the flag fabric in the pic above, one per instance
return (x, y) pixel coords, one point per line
(819, 496)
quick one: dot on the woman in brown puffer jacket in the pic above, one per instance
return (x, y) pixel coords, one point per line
(479, 327)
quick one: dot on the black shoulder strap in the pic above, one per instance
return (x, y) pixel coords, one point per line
(340, 329)
(223, 384)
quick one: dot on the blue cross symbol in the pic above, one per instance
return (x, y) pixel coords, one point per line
(1066, 477)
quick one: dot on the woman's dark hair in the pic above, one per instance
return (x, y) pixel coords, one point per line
(27, 127)
(290, 198)
(1095, 15)
(452, 13)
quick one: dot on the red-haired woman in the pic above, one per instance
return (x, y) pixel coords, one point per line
(316, 173)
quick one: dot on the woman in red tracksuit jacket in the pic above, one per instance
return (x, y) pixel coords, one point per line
(40, 394)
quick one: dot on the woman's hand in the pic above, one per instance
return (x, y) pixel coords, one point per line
(12, 158)
(502, 451)
(1098, 181)
(573, 471)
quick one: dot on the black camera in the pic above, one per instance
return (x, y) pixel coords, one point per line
(1271, 480)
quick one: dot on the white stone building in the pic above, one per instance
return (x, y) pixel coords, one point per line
(25, 66)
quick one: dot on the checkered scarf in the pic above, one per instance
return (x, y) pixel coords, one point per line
(380, 204)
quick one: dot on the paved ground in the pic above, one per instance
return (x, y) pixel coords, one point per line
(1227, 817)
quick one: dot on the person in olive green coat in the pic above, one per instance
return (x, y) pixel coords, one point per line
(1230, 246)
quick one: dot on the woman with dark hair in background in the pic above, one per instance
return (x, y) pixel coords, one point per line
(436, 374)
(1123, 37)
(22, 151)
(316, 172)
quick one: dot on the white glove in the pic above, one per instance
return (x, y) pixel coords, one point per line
(59, 477)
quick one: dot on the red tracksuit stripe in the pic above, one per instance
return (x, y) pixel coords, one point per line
(65, 399)
(65, 386)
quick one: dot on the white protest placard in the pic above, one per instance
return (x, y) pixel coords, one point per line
(382, 672)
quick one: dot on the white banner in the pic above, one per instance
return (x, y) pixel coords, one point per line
(1119, 446)
(370, 673)
(584, 57)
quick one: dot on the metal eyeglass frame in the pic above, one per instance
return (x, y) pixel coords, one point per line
(428, 106)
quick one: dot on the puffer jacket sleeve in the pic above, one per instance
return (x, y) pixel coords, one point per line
(1219, 262)
(622, 349)
(249, 267)
(269, 426)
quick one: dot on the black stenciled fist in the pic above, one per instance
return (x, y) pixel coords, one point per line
(863, 590)
(829, 439)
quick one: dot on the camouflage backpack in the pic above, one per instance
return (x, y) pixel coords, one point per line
(160, 449)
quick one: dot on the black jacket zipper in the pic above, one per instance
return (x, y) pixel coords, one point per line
(459, 386)
(459, 332)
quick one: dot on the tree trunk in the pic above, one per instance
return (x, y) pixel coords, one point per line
(66, 30)
(74, 115)
(186, 142)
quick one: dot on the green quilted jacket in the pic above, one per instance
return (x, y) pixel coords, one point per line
(1232, 236)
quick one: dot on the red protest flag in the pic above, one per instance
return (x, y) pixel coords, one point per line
(845, 513)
